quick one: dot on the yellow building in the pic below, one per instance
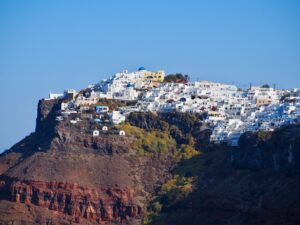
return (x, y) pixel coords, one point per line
(158, 76)
(263, 101)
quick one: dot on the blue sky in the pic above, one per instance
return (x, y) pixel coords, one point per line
(55, 45)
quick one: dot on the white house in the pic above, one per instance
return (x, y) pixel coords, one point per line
(53, 96)
(117, 117)
(64, 106)
(96, 133)
(122, 133)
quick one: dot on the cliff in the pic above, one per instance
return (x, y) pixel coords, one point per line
(255, 183)
(278, 150)
(81, 178)
(164, 171)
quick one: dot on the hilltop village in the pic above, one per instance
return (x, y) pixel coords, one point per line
(228, 110)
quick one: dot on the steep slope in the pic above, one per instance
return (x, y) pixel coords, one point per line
(164, 171)
(82, 178)
(257, 183)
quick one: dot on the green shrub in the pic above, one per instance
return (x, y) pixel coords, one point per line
(149, 141)
(114, 104)
(186, 152)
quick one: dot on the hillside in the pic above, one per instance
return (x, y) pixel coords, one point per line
(163, 171)
(257, 183)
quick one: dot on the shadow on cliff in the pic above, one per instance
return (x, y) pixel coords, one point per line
(41, 139)
(211, 163)
(257, 183)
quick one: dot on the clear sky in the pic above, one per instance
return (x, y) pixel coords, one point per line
(55, 45)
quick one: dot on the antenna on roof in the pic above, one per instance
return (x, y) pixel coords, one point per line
(274, 86)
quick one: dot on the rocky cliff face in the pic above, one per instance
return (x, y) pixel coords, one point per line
(84, 179)
(75, 200)
(60, 175)
(278, 150)
(256, 183)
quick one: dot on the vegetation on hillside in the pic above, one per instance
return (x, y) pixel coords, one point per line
(175, 134)
(150, 141)
(157, 141)
(172, 192)
(177, 78)
(175, 191)
(185, 128)
(181, 135)
(114, 104)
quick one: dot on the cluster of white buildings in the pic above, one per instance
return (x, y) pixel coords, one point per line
(129, 86)
(229, 110)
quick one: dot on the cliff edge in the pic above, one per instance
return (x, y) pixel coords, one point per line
(163, 171)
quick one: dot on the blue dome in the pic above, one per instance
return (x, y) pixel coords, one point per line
(183, 99)
(141, 68)
(130, 85)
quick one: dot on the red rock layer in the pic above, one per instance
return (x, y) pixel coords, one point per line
(95, 204)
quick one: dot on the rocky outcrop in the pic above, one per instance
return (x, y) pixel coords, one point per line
(46, 113)
(278, 150)
(106, 143)
(66, 176)
(94, 204)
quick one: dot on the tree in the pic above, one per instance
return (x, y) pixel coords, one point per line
(177, 78)
(187, 77)
(265, 86)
